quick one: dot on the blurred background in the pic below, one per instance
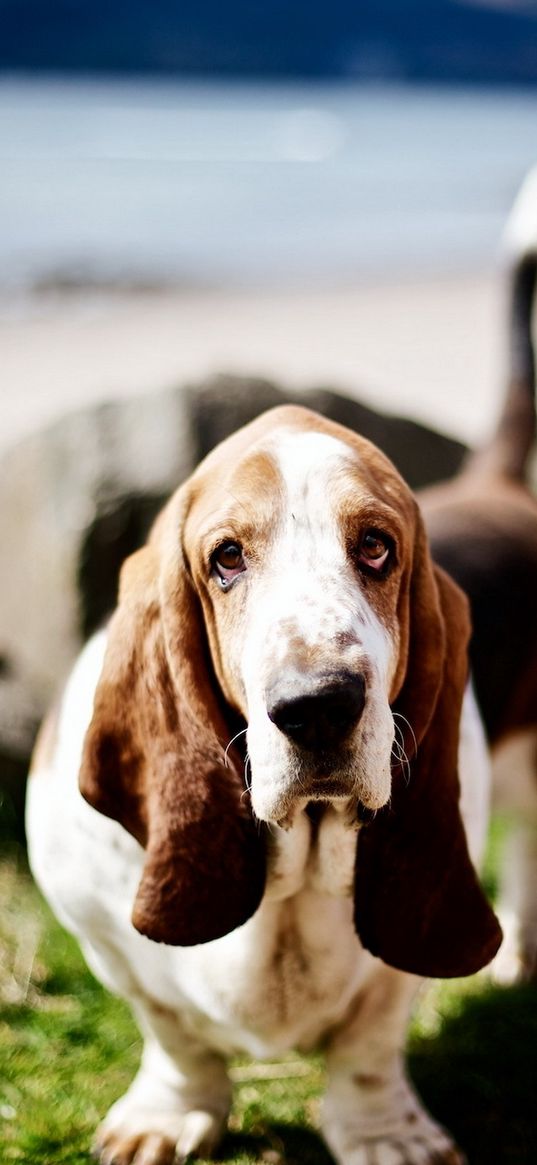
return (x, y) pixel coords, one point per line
(310, 190)
(205, 208)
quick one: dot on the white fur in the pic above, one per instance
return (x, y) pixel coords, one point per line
(514, 777)
(293, 976)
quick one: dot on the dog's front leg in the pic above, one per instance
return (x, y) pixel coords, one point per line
(178, 1103)
(371, 1114)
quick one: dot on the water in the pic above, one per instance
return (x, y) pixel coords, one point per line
(163, 181)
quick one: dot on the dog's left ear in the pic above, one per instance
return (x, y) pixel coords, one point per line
(155, 757)
(418, 902)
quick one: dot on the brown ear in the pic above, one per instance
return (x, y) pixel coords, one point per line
(418, 902)
(153, 760)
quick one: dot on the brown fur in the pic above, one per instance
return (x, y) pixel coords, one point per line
(153, 755)
(46, 742)
(418, 901)
(483, 530)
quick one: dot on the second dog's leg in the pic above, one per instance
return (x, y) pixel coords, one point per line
(515, 791)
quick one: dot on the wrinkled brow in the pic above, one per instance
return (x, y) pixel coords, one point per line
(248, 496)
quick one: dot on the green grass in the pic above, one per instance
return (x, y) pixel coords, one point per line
(68, 1049)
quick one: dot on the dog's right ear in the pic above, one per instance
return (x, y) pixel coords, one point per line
(154, 760)
(419, 905)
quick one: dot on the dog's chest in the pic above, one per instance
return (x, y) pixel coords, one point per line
(280, 981)
(286, 984)
(289, 975)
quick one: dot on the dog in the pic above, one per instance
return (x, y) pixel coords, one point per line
(482, 528)
(261, 802)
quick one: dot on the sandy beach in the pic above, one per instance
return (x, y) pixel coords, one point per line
(430, 348)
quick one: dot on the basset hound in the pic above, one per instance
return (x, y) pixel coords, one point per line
(261, 803)
(482, 528)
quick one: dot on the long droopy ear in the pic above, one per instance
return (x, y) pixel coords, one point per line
(153, 760)
(418, 902)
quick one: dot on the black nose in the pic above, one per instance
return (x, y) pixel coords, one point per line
(322, 718)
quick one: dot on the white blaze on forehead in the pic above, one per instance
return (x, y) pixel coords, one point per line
(312, 586)
(309, 465)
(311, 575)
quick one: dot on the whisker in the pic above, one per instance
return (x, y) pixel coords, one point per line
(247, 783)
(398, 750)
(401, 743)
(398, 733)
(409, 726)
(404, 765)
(399, 753)
(232, 741)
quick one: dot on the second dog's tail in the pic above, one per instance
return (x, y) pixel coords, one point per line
(509, 448)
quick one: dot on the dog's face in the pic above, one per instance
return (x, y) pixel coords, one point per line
(297, 552)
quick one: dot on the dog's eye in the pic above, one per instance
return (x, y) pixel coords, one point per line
(374, 551)
(227, 562)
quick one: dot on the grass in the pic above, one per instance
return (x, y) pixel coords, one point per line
(68, 1049)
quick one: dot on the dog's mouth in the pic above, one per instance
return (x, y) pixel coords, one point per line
(339, 775)
(326, 788)
(355, 812)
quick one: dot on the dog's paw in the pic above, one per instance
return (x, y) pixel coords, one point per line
(417, 1151)
(367, 1127)
(157, 1138)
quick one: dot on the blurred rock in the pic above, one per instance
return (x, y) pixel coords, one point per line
(77, 498)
